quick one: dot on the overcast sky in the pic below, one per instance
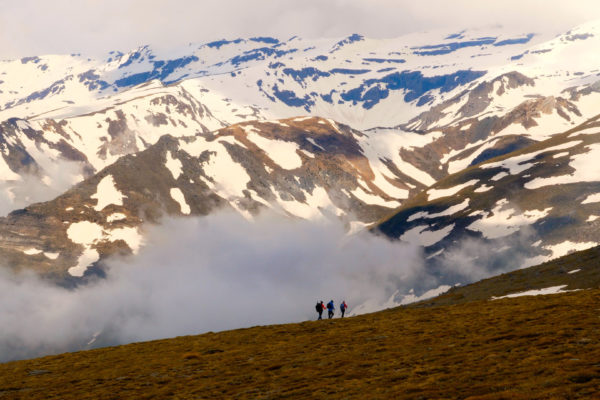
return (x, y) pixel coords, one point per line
(30, 27)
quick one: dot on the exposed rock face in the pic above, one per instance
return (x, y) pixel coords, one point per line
(18, 140)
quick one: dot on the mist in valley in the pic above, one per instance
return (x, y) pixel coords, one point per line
(221, 272)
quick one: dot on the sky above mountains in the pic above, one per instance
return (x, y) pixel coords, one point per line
(29, 27)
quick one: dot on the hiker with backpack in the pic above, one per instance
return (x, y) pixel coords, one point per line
(343, 307)
(330, 309)
(320, 307)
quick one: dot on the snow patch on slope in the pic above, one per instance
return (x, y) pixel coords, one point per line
(88, 257)
(173, 165)
(449, 211)
(316, 202)
(84, 232)
(107, 193)
(227, 178)
(536, 292)
(503, 220)
(373, 199)
(32, 251)
(566, 247)
(281, 152)
(435, 194)
(593, 198)
(423, 235)
(523, 162)
(129, 235)
(586, 166)
(177, 195)
(116, 217)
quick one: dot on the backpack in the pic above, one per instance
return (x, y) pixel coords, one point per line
(343, 306)
(319, 307)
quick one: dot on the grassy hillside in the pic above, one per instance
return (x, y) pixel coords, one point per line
(578, 270)
(544, 347)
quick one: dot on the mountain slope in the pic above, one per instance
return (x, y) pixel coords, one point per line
(434, 105)
(576, 271)
(355, 80)
(307, 168)
(519, 206)
(58, 152)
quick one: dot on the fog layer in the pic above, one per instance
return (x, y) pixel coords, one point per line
(223, 272)
(206, 274)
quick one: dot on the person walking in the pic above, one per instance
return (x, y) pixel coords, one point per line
(320, 307)
(330, 309)
(343, 307)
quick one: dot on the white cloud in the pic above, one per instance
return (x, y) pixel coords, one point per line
(29, 27)
(223, 272)
(211, 273)
(61, 175)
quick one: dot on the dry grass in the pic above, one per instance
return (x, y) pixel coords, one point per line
(545, 347)
(552, 273)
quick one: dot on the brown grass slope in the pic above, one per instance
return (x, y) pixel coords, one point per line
(542, 347)
(578, 270)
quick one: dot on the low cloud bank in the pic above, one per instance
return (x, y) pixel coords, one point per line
(205, 274)
(60, 175)
(214, 273)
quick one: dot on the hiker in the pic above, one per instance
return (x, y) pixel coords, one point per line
(343, 307)
(320, 307)
(330, 309)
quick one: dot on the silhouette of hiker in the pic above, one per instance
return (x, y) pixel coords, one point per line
(330, 309)
(343, 307)
(320, 307)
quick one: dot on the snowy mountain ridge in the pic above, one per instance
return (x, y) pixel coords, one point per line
(303, 75)
(350, 128)
(95, 111)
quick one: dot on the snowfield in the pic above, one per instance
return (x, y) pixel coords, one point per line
(536, 292)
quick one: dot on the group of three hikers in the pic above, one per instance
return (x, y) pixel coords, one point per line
(330, 308)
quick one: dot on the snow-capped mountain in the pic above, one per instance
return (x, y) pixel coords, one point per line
(349, 127)
(357, 81)
(121, 104)
(326, 77)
